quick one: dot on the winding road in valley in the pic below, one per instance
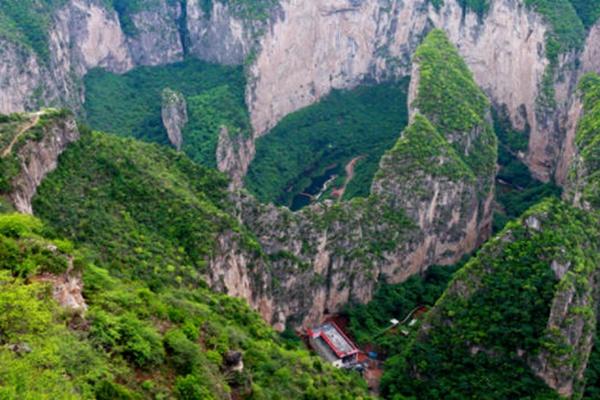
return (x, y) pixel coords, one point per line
(33, 122)
(349, 176)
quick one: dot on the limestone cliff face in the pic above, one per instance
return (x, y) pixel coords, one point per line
(39, 156)
(562, 264)
(222, 36)
(174, 116)
(427, 206)
(338, 44)
(157, 38)
(20, 77)
(86, 34)
(301, 50)
(234, 154)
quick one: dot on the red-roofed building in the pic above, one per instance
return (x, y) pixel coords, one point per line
(330, 342)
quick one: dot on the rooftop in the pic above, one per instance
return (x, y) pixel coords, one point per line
(331, 334)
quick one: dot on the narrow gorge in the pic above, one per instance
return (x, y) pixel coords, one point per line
(153, 242)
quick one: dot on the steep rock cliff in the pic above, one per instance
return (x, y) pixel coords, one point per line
(298, 51)
(546, 266)
(524, 307)
(86, 34)
(174, 116)
(20, 77)
(430, 203)
(583, 187)
(234, 154)
(34, 152)
(361, 41)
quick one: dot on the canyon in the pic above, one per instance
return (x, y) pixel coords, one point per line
(299, 51)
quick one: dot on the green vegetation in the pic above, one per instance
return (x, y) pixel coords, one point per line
(480, 7)
(588, 142)
(449, 97)
(9, 164)
(516, 189)
(9, 126)
(369, 322)
(588, 11)
(136, 343)
(592, 373)
(209, 113)
(16, 124)
(567, 32)
(28, 23)
(164, 209)
(130, 104)
(422, 150)
(495, 313)
(364, 122)
(250, 10)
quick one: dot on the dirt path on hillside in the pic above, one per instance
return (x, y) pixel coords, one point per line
(25, 128)
(349, 176)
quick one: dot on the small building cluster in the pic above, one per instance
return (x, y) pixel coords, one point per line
(330, 342)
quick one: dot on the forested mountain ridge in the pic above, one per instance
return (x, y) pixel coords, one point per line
(122, 285)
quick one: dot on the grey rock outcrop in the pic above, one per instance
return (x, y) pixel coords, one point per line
(426, 207)
(39, 156)
(234, 154)
(300, 51)
(174, 116)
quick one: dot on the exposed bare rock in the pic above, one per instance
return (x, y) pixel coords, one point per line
(366, 40)
(570, 327)
(568, 154)
(426, 207)
(86, 35)
(219, 37)
(234, 155)
(157, 39)
(39, 156)
(67, 289)
(20, 76)
(590, 59)
(174, 116)
(302, 50)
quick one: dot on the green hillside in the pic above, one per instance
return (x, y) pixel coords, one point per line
(130, 104)
(136, 343)
(360, 123)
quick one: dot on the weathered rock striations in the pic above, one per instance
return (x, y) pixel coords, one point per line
(428, 205)
(234, 154)
(297, 52)
(553, 253)
(366, 41)
(174, 116)
(20, 77)
(36, 149)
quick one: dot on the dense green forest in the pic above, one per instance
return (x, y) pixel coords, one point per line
(516, 189)
(136, 343)
(164, 209)
(498, 304)
(130, 104)
(363, 122)
(369, 323)
(28, 22)
(152, 329)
